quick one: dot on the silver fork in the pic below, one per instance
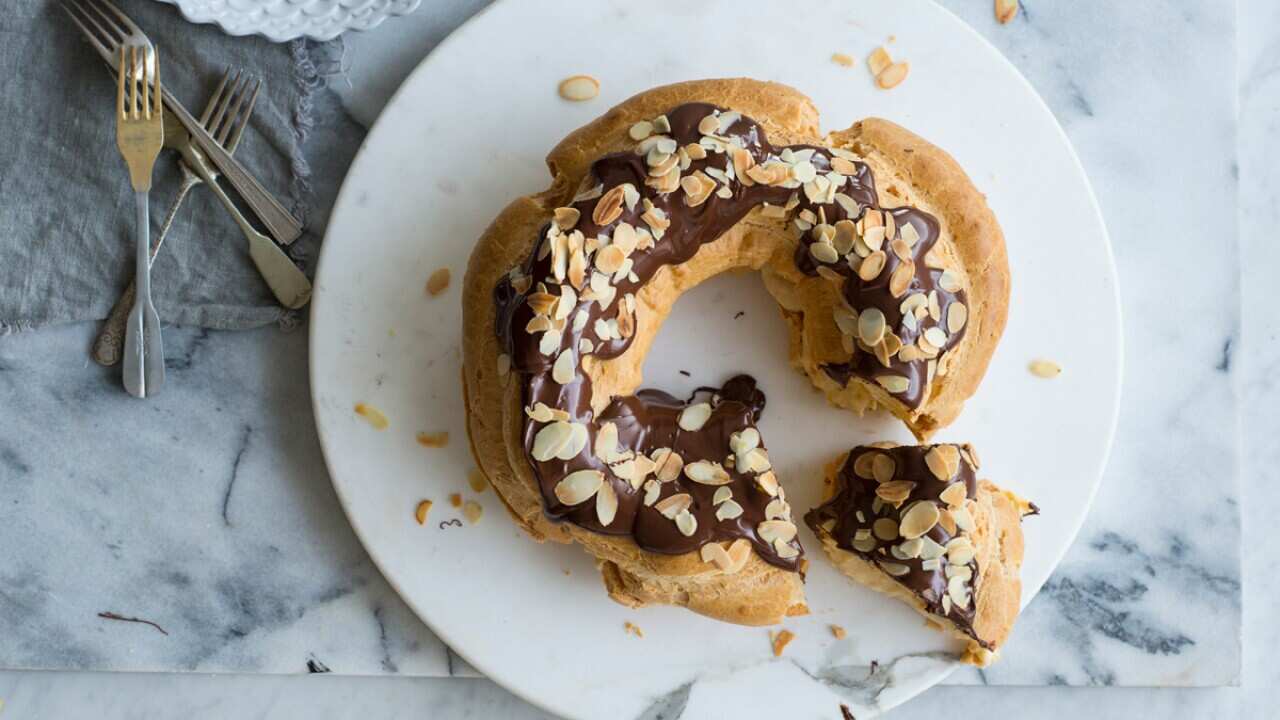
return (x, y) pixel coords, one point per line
(107, 28)
(225, 116)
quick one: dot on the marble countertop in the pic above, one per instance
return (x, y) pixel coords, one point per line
(1149, 595)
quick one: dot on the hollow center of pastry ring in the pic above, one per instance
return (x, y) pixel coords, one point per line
(579, 328)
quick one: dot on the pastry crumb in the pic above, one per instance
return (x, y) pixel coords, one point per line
(579, 87)
(477, 480)
(455, 499)
(1006, 11)
(565, 571)
(1045, 368)
(373, 415)
(472, 510)
(631, 628)
(420, 513)
(779, 641)
(433, 440)
(438, 282)
(838, 632)
(842, 59)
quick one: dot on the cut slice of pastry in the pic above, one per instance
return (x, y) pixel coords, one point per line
(915, 523)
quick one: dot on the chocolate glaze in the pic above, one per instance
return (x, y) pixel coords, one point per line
(858, 495)
(647, 420)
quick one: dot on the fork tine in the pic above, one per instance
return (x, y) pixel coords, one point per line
(157, 98)
(213, 99)
(91, 37)
(112, 28)
(233, 116)
(225, 102)
(244, 118)
(80, 16)
(145, 110)
(122, 71)
(127, 25)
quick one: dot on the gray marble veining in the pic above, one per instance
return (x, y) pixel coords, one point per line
(243, 555)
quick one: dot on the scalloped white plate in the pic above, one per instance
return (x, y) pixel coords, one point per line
(467, 132)
(282, 20)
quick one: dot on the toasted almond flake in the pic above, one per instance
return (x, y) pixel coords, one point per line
(864, 465)
(958, 593)
(949, 280)
(722, 493)
(744, 441)
(455, 499)
(909, 549)
(937, 464)
(1006, 11)
(373, 415)
(477, 480)
(693, 417)
(641, 130)
(728, 510)
(673, 505)
(901, 277)
(771, 530)
(606, 503)
(1045, 368)
(879, 61)
(954, 495)
(895, 491)
(578, 88)
(823, 252)
(837, 632)
(567, 217)
(420, 512)
(432, 440)
(716, 554)
(894, 569)
(669, 464)
(883, 467)
(785, 550)
(871, 325)
(550, 440)
(885, 529)
(609, 207)
(964, 520)
(768, 482)
(739, 552)
(957, 316)
(579, 486)
(779, 640)
(686, 523)
(936, 336)
(564, 368)
(438, 282)
(606, 444)
(472, 511)
(918, 519)
(706, 472)
(894, 383)
(842, 59)
(651, 491)
(960, 550)
(893, 75)
(872, 266)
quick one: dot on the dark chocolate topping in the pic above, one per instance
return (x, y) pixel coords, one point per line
(923, 567)
(696, 172)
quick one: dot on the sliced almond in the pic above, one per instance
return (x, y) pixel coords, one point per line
(1045, 368)
(608, 207)
(420, 512)
(823, 252)
(739, 552)
(918, 519)
(893, 75)
(673, 505)
(864, 465)
(964, 520)
(954, 495)
(578, 88)
(895, 491)
(438, 282)
(784, 549)
(957, 316)
(606, 503)
(606, 445)
(872, 266)
(900, 279)
(565, 367)
(668, 463)
(885, 529)
(938, 465)
(686, 523)
(550, 440)
(883, 467)
(566, 217)
(768, 482)
(1006, 11)
(693, 417)
(879, 60)
(771, 530)
(949, 280)
(871, 326)
(895, 384)
(579, 486)
(728, 510)
(715, 554)
(706, 472)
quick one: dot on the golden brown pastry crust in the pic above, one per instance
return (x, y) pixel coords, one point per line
(759, 593)
(997, 539)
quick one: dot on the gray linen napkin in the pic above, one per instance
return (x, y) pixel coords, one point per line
(66, 211)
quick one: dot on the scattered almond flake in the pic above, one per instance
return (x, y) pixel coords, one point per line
(838, 632)
(779, 641)
(438, 282)
(842, 59)
(879, 61)
(641, 130)
(420, 512)
(477, 480)
(606, 503)
(1006, 10)
(455, 499)
(433, 440)
(373, 415)
(893, 76)
(472, 510)
(632, 629)
(1045, 368)
(579, 486)
(579, 87)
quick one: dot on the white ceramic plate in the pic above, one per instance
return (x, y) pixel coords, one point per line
(281, 20)
(468, 132)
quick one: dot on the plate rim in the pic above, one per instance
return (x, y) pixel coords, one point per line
(937, 676)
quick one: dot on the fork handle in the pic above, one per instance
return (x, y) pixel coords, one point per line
(282, 225)
(143, 349)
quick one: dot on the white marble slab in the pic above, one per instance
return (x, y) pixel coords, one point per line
(244, 557)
